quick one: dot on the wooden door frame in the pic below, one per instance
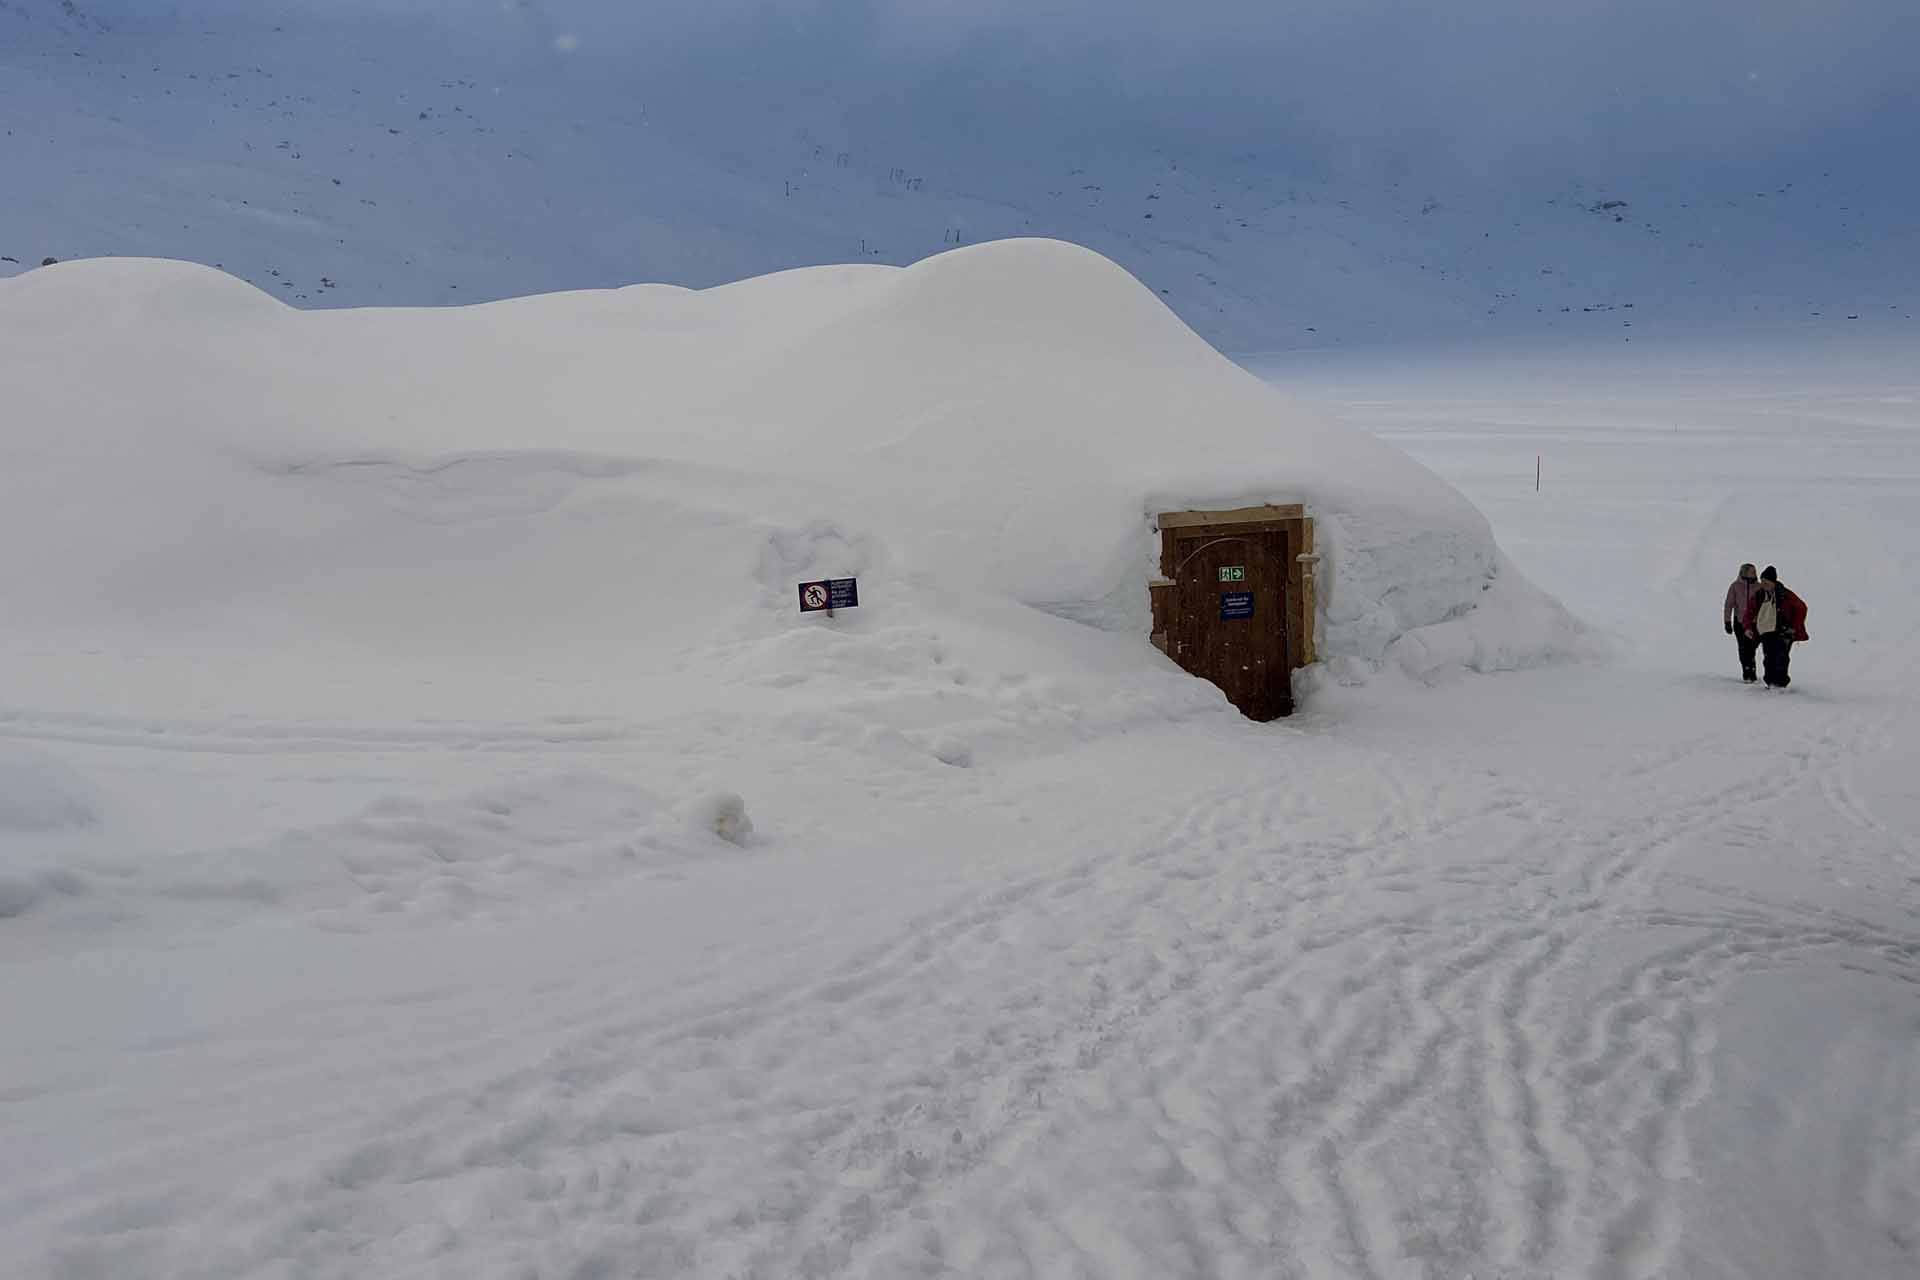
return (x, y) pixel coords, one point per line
(1178, 527)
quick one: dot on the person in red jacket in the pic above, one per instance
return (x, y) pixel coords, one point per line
(1776, 618)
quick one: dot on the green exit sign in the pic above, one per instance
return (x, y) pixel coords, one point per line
(1233, 573)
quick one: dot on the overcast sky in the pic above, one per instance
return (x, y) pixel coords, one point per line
(1481, 85)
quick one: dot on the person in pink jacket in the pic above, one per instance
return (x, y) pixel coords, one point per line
(1734, 613)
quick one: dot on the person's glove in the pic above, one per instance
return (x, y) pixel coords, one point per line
(1729, 628)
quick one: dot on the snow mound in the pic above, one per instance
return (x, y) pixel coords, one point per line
(721, 815)
(39, 797)
(39, 793)
(404, 859)
(650, 469)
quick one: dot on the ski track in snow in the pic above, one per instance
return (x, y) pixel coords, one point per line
(1252, 1012)
(266, 737)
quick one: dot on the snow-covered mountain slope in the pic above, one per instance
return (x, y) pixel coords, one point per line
(362, 159)
(639, 468)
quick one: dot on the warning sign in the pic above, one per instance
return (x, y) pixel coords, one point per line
(829, 594)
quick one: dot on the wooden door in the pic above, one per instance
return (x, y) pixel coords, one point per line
(1231, 619)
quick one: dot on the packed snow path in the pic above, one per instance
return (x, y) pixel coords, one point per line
(1597, 971)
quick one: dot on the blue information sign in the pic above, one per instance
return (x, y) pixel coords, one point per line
(1236, 604)
(829, 594)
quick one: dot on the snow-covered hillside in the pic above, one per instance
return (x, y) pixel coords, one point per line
(360, 158)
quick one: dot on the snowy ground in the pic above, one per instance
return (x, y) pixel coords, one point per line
(1606, 970)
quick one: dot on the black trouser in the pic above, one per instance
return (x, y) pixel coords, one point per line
(1777, 647)
(1747, 645)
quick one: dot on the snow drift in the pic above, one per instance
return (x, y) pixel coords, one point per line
(595, 475)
